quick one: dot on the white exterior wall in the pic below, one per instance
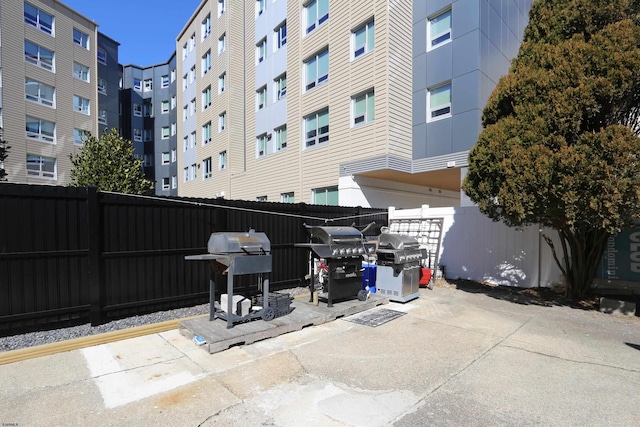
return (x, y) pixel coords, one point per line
(475, 248)
(370, 192)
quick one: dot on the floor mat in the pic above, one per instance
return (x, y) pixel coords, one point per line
(375, 317)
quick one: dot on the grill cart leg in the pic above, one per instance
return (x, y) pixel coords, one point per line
(212, 300)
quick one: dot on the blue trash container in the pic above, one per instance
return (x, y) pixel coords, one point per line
(369, 277)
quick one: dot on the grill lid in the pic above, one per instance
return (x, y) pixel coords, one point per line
(239, 242)
(336, 235)
(397, 241)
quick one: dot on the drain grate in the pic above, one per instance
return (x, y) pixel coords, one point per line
(375, 317)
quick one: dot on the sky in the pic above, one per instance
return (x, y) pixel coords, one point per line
(145, 29)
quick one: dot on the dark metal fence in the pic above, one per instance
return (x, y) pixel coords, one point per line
(75, 255)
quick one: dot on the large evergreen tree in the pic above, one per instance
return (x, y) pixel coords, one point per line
(108, 163)
(560, 143)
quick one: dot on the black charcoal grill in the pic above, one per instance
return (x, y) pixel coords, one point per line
(235, 254)
(339, 250)
(398, 270)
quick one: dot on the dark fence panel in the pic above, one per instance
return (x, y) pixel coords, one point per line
(70, 255)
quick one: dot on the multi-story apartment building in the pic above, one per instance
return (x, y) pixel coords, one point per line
(367, 102)
(109, 76)
(149, 113)
(49, 90)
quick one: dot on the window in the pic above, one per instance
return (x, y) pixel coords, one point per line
(165, 132)
(317, 69)
(165, 183)
(173, 128)
(137, 135)
(222, 121)
(40, 166)
(102, 56)
(137, 84)
(222, 43)
(287, 198)
(222, 82)
(206, 133)
(192, 42)
(102, 86)
(439, 30)
(261, 198)
(206, 98)
(222, 160)
(80, 38)
(439, 102)
(174, 182)
(147, 134)
(173, 102)
(184, 82)
(207, 168)
(41, 130)
(39, 92)
(193, 172)
(221, 7)
(37, 18)
(261, 98)
(280, 38)
(261, 145)
(192, 139)
(164, 107)
(192, 75)
(280, 86)
(261, 50)
(174, 155)
(281, 138)
(316, 127)
(185, 112)
(259, 7)
(148, 160)
(102, 116)
(165, 81)
(148, 85)
(81, 72)
(325, 196)
(81, 104)
(362, 40)
(206, 27)
(185, 143)
(362, 108)
(166, 158)
(147, 110)
(173, 75)
(206, 62)
(192, 107)
(79, 135)
(184, 51)
(137, 110)
(316, 13)
(38, 55)
(185, 174)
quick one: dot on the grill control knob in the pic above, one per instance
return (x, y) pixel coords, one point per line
(335, 252)
(342, 251)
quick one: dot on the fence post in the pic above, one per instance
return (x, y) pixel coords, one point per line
(94, 233)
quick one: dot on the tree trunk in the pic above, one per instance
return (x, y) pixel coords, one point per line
(582, 249)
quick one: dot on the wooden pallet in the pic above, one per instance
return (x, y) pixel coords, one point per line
(303, 314)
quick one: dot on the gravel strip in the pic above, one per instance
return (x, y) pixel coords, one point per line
(30, 339)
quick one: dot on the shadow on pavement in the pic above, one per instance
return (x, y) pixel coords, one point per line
(526, 296)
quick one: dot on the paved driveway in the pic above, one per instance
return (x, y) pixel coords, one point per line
(454, 358)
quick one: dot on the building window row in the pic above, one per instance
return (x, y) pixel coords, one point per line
(38, 19)
(41, 166)
(38, 55)
(316, 14)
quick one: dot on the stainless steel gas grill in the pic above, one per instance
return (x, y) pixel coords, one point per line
(398, 270)
(235, 254)
(339, 250)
